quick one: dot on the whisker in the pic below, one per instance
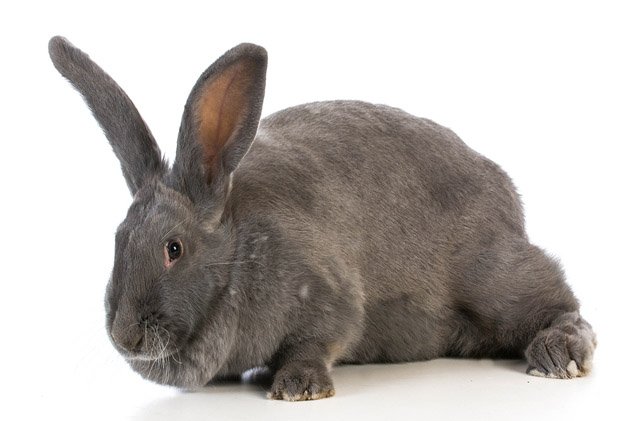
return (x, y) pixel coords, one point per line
(175, 355)
(151, 350)
(132, 324)
(171, 230)
(176, 358)
(157, 349)
(162, 356)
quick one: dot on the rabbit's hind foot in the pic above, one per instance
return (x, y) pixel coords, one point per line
(564, 350)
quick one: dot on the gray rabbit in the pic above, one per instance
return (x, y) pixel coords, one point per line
(327, 233)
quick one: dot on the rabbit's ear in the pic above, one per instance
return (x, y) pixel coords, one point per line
(220, 120)
(127, 133)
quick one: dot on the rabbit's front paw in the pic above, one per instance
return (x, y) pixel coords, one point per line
(564, 350)
(302, 381)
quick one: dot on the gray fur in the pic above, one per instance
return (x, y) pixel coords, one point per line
(124, 128)
(348, 233)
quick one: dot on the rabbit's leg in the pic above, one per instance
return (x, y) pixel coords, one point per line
(560, 343)
(563, 350)
(301, 373)
(515, 301)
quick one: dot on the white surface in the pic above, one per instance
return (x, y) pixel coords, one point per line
(547, 90)
(441, 390)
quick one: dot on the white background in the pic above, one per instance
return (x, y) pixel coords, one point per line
(546, 89)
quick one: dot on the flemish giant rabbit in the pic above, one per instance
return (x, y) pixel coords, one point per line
(327, 233)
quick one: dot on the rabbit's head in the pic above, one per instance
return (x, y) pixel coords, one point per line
(175, 237)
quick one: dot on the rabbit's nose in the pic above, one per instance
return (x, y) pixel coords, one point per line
(130, 339)
(129, 336)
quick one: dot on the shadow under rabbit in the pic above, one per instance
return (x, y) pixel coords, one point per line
(352, 382)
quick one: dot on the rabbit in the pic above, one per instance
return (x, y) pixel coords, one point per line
(328, 233)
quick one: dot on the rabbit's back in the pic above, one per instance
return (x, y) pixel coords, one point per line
(371, 162)
(390, 207)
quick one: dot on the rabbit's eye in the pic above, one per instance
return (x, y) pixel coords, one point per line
(173, 250)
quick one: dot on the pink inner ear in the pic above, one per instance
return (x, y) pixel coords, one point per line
(220, 108)
(167, 263)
